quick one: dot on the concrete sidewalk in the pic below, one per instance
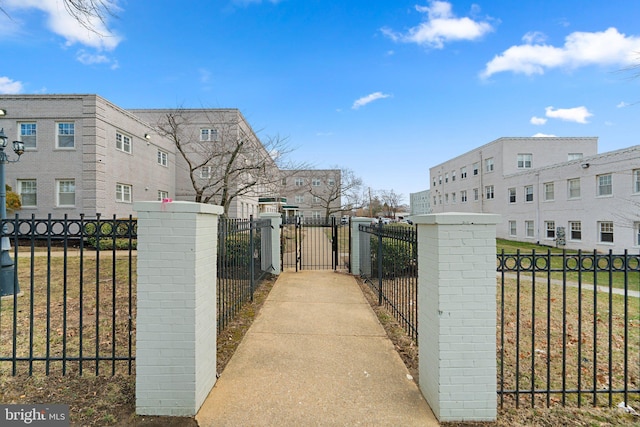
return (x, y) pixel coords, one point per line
(316, 355)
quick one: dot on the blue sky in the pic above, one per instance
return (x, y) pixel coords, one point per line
(385, 88)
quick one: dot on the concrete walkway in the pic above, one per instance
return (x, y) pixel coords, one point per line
(316, 355)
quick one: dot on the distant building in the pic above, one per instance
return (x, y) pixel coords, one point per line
(553, 191)
(420, 202)
(311, 193)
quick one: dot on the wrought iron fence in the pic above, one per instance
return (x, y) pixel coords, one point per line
(72, 307)
(389, 264)
(242, 244)
(568, 328)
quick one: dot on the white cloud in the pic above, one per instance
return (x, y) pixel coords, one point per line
(439, 27)
(62, 23)
(8, 86)
(538, 120)
(361, 102)
(543, 135)
(577, 114)
(623, 104)
(580, 49)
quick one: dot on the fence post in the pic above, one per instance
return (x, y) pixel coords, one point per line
(276, 221)
(176, 306)
(457, 314)
(355, 266)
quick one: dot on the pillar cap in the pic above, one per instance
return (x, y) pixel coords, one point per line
(178, 207)
(457, 218)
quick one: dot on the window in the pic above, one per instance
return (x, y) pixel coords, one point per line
(162, 195)
(439, 179)
(209, 135)
(488, 191)
(435, 201)
(453, 176)
(123, 142)
(574, 156)
(528, 193)
(604, 185)
(446, 177)
(446, 198)
(28, 134)
(299, 199)
(476, 165)
(434, 181)
(28, 190)
(316, 199)
(606, 231)
(453, 197)
(528, 226)
(512, 228)
(548, 191)
(123, 193)
(440, 198)
(463, 172)
(299, 182)
(284, 181)
(575, 230)
(476, 194)
(316, 215)
(636, 239)
(331, 182)
(66, 135)
(205, 172)
(463, 196)
(488, 164)
(315, 182)
(636, 181)
(550, 226)
(525, 161)
(66, 192)
(163, 158)
(574, 188)
(512, 195)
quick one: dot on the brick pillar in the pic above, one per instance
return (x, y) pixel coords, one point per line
(276, 221)
(457, 314)
(176, 306)
(356, 268)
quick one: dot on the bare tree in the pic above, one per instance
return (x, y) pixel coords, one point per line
(223, 157)
(392, 201)
(337, 190)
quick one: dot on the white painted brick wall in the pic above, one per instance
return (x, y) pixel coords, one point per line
(176, 307)
(457, 314)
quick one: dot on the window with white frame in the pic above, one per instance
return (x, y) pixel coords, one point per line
(446, 177)
(316, 199)
(162, 195)
(636, 181)
(299, 182)
(488, 164)
(550, 227)
(28, 135)
(476, 167)
(65, 135)
(636, 228)
(525, 160)
(28, 190)
(605, 187)
(209, 134)
(453, 176)
(123, 193)
(513, 231)
(574, 156)
(528, 227)
(316, 215)
(299, 198)
(528, 193)
(606, 231)
(476, 194)
(439, 198)
(206, 172)
(435, 201)
(331, 182)
(488, 191)
(575, 230)
(65, 192)
(573, 188)
(439, 179)
(446, 199)
(434, 181)
(315, 182)
(163, 158)
(512, 195)
(463, 172)
(549, 191)
(463, 196)
(123, 142)
(453, 197)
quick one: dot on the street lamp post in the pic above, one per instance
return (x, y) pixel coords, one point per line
(8, 282)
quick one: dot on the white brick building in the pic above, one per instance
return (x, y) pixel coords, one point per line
(544, 187)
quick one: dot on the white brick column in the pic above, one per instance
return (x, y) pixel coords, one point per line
(176, 306)
(276, 221)
(457, 314)
(355, 245)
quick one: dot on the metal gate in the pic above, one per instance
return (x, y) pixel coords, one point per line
(315, 243)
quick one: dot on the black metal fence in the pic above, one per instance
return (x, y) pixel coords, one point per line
(315, 243)
(72, 306)
(242, 243)
(568, 329)
(389, 264)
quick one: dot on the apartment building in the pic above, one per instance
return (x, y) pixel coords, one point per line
(420, 202)
(553, 191)
(312, 193)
